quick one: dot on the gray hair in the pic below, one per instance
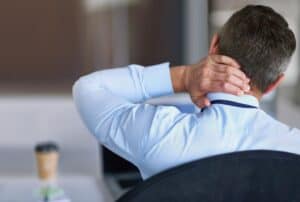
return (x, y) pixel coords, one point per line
(261, 41)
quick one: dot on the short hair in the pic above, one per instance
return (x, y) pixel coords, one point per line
(260, 40)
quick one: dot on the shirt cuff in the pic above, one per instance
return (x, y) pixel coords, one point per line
(157, 80)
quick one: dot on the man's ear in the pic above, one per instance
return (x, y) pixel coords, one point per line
(214, 44)
(275, 84)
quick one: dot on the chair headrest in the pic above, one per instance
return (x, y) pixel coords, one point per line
(259, 175)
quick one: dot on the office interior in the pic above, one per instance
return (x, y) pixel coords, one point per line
(47, 45)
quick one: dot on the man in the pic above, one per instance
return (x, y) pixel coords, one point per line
(155, 138)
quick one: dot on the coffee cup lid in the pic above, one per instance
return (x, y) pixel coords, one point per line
(46, 147)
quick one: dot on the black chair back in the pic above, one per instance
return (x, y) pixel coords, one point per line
(254, 176)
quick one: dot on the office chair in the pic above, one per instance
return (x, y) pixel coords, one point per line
(254, 176)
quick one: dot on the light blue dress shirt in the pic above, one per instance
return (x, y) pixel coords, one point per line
(158, 137)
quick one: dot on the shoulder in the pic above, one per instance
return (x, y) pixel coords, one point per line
(278, 126)
(294, 131)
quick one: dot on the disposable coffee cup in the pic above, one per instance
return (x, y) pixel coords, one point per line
(47, 160)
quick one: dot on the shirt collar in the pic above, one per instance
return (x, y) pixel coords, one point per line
(243, 99)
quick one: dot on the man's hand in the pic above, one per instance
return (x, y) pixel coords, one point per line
(215, 73)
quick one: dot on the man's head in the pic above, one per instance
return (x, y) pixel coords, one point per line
(260, 40)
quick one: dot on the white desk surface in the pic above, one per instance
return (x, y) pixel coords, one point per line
(78, 189)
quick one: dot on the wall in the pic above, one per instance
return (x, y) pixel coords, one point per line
(40, 40)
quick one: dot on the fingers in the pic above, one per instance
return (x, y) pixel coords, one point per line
(229, 70)
(201, 102)
(222, 59)
(227, 65)
(232, 79)
(219, 86)
(216, 73)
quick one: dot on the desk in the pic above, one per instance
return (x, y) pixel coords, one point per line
(79, 189)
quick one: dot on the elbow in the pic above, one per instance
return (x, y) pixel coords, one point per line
(83, 85)
(87, 95)
(78, 88)
(83, 92)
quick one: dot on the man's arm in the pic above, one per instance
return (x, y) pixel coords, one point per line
(110, 103)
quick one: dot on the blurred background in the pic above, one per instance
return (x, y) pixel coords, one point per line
(46, 45)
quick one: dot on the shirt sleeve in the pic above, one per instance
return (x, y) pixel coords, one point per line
(111, 104)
